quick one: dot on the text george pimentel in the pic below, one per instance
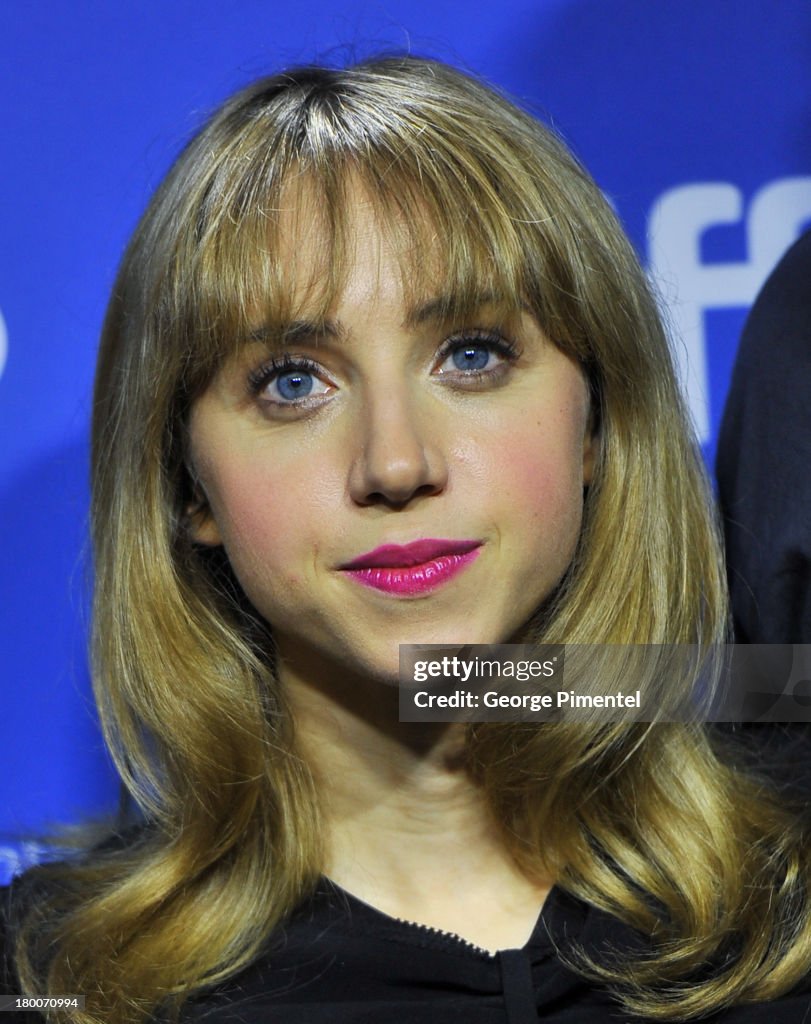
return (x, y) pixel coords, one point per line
(528, 701)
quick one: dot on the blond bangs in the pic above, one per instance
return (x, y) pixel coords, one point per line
(446, 248)
(467, 217)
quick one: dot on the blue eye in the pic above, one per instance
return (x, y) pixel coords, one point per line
(289, 381)
(471, 357)
(294, 384)
(475, 356)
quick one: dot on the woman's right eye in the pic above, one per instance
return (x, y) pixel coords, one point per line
(289, 381)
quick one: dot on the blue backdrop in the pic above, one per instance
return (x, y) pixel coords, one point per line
(694, 117)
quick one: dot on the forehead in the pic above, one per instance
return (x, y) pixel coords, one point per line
(322, 257)
(385, 270)
(362, 251)
(368, 252)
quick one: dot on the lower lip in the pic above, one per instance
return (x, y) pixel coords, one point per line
(416, 579)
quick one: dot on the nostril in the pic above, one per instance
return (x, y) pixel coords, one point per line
(395, 500)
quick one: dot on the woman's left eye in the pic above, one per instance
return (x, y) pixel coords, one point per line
(474, 356)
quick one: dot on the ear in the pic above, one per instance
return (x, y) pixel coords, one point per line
(201, 524)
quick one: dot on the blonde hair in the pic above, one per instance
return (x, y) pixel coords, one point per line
(680, 842)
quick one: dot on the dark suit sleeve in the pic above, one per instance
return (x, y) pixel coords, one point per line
(764, 460)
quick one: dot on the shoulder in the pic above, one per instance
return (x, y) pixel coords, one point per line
(794, 1008)
(17, 899)
(775, 348)
(33, 903)
(764, 452)
(8, 984)
(785, 298)
(778, 754)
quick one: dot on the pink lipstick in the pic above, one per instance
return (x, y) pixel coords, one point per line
(412, 568)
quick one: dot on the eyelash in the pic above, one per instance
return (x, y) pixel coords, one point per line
(260, 378)
(497, 342)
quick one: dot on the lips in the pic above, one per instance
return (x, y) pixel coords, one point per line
(415, 568)
(397, 556)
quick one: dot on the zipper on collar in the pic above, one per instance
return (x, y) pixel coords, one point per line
(450, 936)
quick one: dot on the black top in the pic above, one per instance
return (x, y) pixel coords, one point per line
(764, 460)
(341, 961)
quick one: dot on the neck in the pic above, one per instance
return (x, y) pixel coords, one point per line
(407, 828)
(381, 776)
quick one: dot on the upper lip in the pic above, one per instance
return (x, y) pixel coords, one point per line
(403, 556)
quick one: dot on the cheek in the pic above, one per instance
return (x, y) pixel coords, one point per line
(546, 492)
(272, 522)
(533, 470)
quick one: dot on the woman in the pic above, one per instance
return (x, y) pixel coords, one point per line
(381, 368)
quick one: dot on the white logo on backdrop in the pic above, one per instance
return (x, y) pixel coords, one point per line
(15, 858)
(776, 216)
(3, 344)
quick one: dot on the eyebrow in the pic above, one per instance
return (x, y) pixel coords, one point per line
(298, 332)
(444, 306)
(438, 308)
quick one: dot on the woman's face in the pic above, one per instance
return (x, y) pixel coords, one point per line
(389, 477)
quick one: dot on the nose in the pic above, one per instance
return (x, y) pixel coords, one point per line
(400, 455)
